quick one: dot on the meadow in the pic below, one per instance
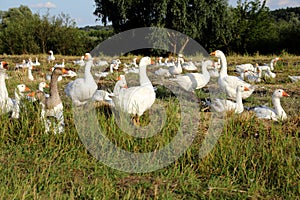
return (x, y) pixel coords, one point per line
(252, 159)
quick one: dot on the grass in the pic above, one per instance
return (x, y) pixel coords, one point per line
(253, 158)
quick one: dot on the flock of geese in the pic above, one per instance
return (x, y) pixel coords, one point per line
(136, 100)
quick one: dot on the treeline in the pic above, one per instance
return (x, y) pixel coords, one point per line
(250, 27)
(22, 32)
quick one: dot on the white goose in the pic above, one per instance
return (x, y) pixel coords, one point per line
(175, 69)
(29, 70)
(102, 95)
(222, 105)
(79, 62)
(62, 65)
(51, 56)
(82, 89)
(294, 78)
(251, 76)
(7, 104)
(188, 66)
(229, 83)
(276, 114)
(193, 81)
(36, 63)
(136, 100)
(244, 67)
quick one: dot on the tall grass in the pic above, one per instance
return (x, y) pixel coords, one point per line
(252, 158)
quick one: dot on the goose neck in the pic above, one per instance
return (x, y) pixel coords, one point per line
(143, 75)
(223, 71)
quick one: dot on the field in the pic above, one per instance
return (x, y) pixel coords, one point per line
(256, 159)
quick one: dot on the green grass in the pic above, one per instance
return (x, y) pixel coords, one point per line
(252, 159)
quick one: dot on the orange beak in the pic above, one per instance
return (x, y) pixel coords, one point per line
(46, 86)
(152, 62)
(126, 86)
(284, 94)
(246, 88)
(27, 89)
(31, 94)
(119, 78)
(64, 71)
(4, 64)
(213, 53)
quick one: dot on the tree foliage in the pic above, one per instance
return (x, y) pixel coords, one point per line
(248, 28)
(22, 32)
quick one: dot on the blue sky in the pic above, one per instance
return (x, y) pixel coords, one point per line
(82, 10)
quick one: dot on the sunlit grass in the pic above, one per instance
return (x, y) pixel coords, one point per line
(252, 159)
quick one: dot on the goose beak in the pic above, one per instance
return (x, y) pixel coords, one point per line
(119, 78)
(246, 88)
(126, 86)
(213, 53)
(64, 71)
(31, 94)
(46, 86)
(152, 62)
(284, 94)
(4, 64)
(27, 89)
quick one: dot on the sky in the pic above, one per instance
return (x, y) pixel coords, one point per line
(82, 10)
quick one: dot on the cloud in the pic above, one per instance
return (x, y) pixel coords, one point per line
(44, 5)
(283, 3)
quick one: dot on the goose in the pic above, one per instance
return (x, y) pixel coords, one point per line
(192, 81)
(29, 71)
(79, 62)
(294, 78)
(244, 67)
(8, 104)
(52, 106)
(82, 89)
(162, 72)
(41, 87)
(264, 112)
(188, 66)
(60, 65)
(51, 56)
(160, 63)
(19, 94)
(70, 74)
(136, 100)
(102, 95)
(274, 62)
(175, 69)
(251, 76)
(221, 105)
(3, 65)
(269, 74)
(229, 83)
(21, 65)
(36, 63)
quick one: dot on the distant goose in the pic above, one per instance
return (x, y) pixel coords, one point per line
(51, 57)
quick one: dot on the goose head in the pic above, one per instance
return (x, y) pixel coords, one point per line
(4, 65)
(146, 61)
(280, 93)
(217, 53)
(50, 52)
(88, 57)
(43, 85)
(22, 88)
(242, 88)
